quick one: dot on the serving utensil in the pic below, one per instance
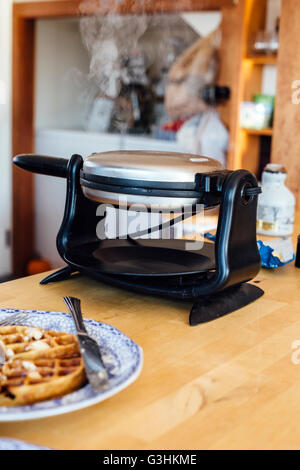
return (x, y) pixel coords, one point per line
(94, 366)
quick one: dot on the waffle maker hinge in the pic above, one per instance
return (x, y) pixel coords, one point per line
(236, 252)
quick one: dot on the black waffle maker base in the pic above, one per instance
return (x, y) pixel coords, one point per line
(214, 278)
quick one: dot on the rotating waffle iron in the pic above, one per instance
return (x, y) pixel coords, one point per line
(214, 278)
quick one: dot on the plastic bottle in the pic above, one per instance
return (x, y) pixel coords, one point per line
(276, 203)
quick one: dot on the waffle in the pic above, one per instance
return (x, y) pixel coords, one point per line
(40, 365)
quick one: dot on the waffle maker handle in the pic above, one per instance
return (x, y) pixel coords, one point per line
(43, 165)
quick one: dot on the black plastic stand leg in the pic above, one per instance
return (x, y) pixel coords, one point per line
(224, 302)
(61, 275)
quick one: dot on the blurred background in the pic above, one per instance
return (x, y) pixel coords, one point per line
(92, 76)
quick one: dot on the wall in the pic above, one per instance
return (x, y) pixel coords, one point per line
(61, 64)
(5, 134)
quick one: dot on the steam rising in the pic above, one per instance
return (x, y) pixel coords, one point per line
(111, 37)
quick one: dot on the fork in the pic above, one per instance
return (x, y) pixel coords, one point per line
(15, 319)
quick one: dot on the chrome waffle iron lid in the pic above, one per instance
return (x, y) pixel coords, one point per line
(150, 165)
(163, 180)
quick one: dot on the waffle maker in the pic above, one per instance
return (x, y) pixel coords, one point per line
(213, 278)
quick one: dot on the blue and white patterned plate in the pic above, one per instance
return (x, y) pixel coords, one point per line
(15, 444)
(123, 360)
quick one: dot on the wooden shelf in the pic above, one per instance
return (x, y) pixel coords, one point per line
(267, 131)
(262, 59)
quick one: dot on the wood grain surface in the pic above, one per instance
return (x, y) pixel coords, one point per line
(228, 384)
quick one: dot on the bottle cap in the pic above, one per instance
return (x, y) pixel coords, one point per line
(275, 168)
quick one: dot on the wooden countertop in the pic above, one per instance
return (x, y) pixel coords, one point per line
(228, 384)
